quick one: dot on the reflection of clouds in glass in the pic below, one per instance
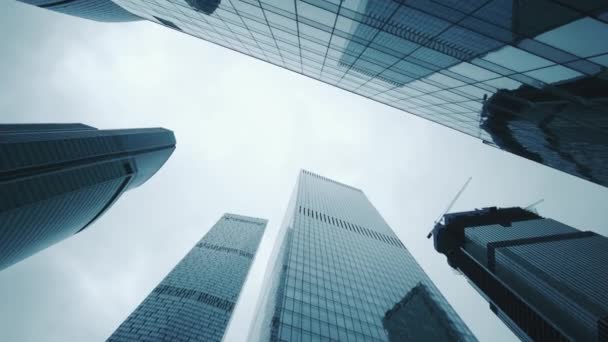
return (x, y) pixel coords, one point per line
(553, 74)
(474, 72)
(516, 59)
(603, 59)
(584, 37)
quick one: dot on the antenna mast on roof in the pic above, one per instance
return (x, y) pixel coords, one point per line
(531, 206)
(449, 206)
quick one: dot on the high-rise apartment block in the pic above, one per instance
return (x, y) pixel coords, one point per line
(340, 273)
(526, 76)
(196, 299)
(547, 281)
(57, 179)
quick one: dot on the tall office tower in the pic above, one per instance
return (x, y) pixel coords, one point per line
(97, 10)
(57, 179)
(547, 281)
(342, 274)
(526, 76)
(196, 299)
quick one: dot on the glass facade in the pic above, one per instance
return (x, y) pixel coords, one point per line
(57, 179)
(97, 10)
(555, 276)
(196, 299)
(519, 74)
(341, 274)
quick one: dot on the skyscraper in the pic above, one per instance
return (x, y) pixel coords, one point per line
(547, 281)
(196, 299)
(526, 76)
(97, 10)
(340, 273)
(57, 179)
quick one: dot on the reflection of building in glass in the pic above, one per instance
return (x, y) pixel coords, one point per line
(196, 299)
(418, 317)
(547, 281)
(384, 21)
(339, 268)
(57, 179)
(98, 10)
(205, 6)
(538, 124)
(435, 59)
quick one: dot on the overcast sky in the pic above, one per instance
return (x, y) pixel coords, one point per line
(244, 129)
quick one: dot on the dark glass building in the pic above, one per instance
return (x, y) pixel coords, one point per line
(547, 281)
(526, 76)
(97, 10)
(196, 299)
(341, 274)
(57, 179)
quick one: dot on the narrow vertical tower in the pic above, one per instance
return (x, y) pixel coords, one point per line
(342, 274)
(545, 280)
(57, 179)
(196, 299)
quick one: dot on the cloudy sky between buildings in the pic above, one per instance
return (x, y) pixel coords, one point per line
(244, 130)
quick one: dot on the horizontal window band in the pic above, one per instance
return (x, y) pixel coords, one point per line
(336, 222)
(230, 218)
(225, 249)
(195, 295)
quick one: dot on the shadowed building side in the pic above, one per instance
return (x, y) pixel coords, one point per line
(97, 10)
(545, 280)
(55, 180)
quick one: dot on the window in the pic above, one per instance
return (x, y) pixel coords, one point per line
(570, 37)
(554, 74)
(168, 23)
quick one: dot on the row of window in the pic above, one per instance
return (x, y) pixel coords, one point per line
(328, 180)
(336, 222)
(225, 249)
(237, 219)
(198, 296)
(343, 279)
(163, 318)
(429, 108)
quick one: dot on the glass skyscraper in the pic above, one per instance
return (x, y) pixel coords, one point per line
(547, 281)
(196, 299)
(57, 179)
(526, 76)
(341, 274)
(97, 10)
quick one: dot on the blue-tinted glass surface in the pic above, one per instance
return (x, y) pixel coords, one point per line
(98, 10)
(57, 179)
(345, 276)
(446, 61)
(194, 302)
(553, 270)
(466, 65)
